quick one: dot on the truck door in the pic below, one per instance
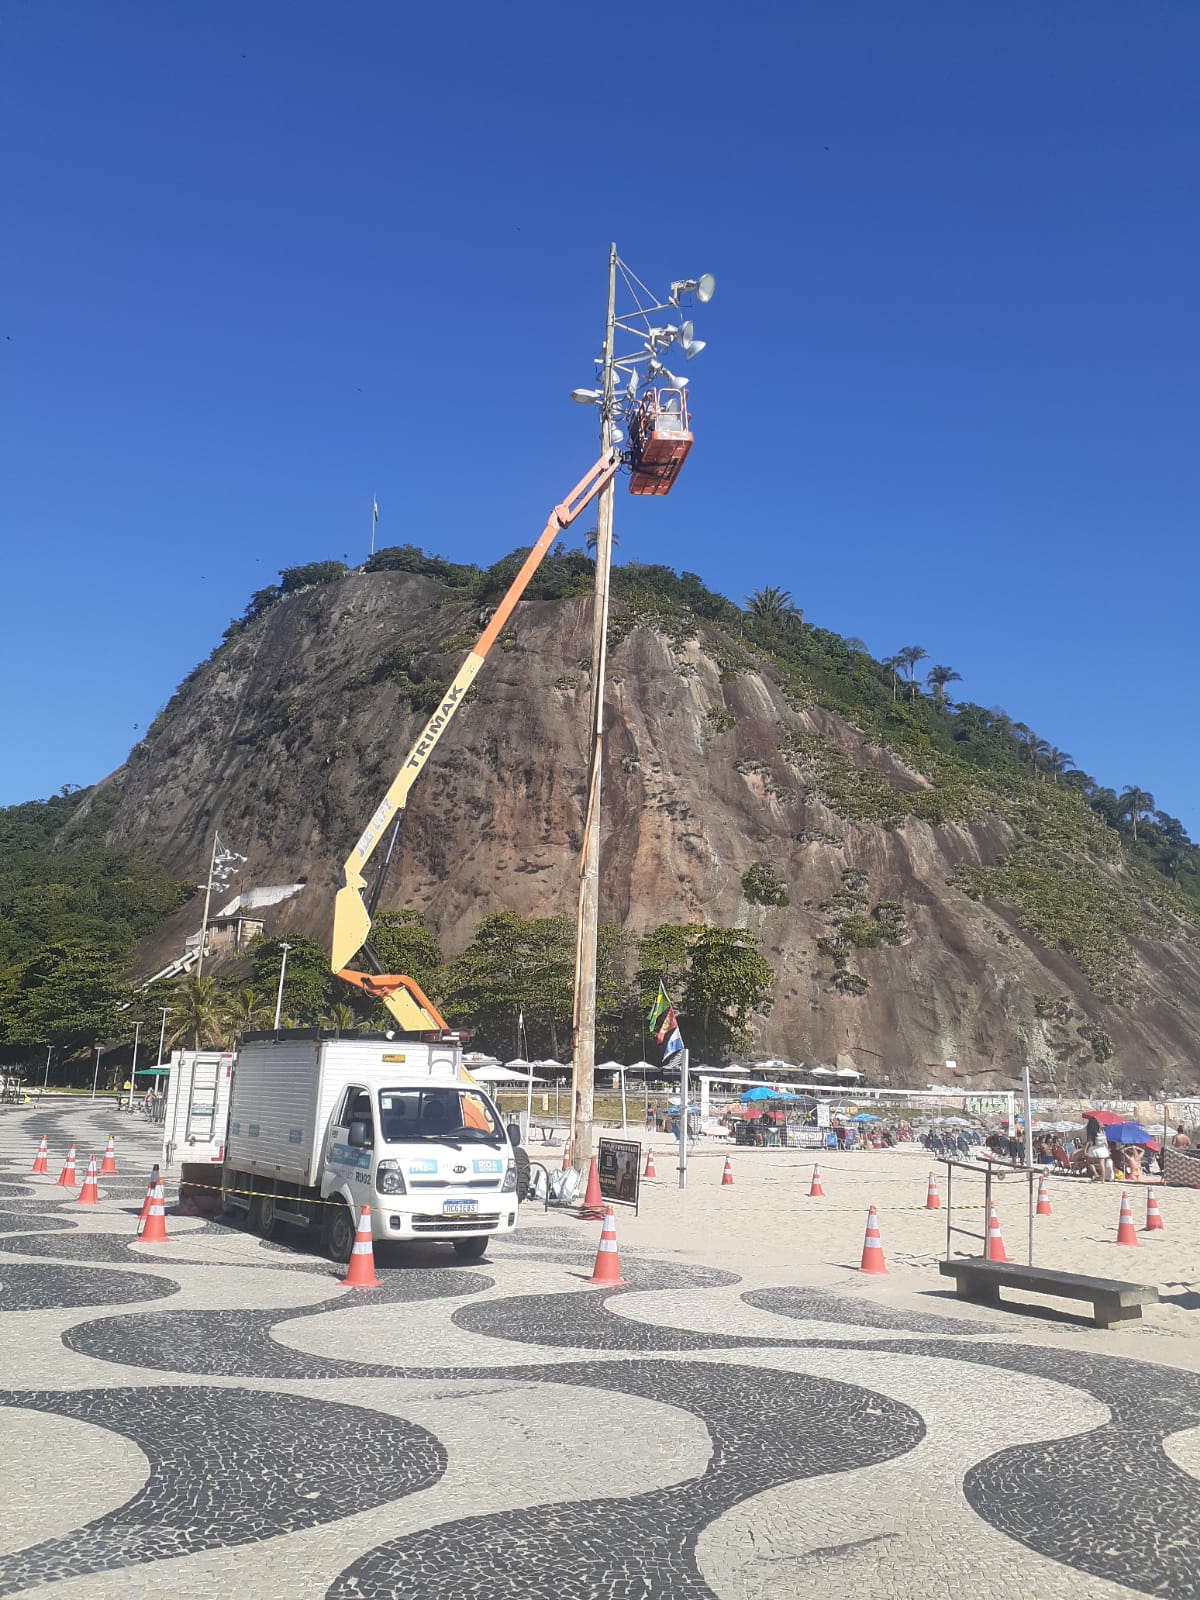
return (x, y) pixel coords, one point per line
(349, 1165)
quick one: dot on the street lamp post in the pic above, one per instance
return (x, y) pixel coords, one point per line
(46, 1079)
(284, 948)
(137, 1028)
(96, 1074)
(651, 340)
(162, 1036)
(221, 867)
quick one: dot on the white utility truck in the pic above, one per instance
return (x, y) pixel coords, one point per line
(197, 1108)
(318, 1128)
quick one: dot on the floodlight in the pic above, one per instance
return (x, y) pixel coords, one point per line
(693, 348)
(706, 287)
(703, 288)
(615, 436)
(672, 382)
(586, 397)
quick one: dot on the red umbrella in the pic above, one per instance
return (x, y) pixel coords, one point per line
(1106, 1119)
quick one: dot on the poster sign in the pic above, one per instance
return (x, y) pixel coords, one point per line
(618, 1167)
(822, 1113)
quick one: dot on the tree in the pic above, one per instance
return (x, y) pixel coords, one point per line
(246, 1012)
(910, 655)
(405, 943)
(197, 1014)
(308, 987)
(728, 979)
(1134, 803)
(1057, 762)
(774, 605)
(339, 1017)
(69, 995)
(893, 664)
(939, 677)
(591, 538)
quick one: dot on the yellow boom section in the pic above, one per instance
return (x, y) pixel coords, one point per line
(351, 919)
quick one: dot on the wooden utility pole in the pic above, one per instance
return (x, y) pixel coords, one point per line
(583, 1063)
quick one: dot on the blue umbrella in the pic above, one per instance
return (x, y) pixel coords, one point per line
(760, 1092)
(1128, 1133)
(864, 1116)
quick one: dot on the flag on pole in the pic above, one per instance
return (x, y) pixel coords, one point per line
(674, 1044)
(668, 1023)
(659, 1007)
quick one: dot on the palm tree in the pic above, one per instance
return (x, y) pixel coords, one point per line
(1057, 761)
(893, 665)
(245, 1012)
(910, 655)
(196, 1010)
(591, 539)
(1039, 750)
(339, 1018)
(939, 677)
(774, 605)
(1133, 803)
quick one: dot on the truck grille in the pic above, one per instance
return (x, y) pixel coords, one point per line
(445, 1183)
(438, 1224)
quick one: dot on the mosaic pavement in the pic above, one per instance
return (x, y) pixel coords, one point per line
(218, 1410)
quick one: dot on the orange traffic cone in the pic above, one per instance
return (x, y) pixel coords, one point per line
(650, 1172)
(815, 1191)
(149, 1195)
(154, 1230)
(727, 1175)
(608, 1263)
(872, 1256)
(1043, 1201)
(933, 1200)
(362, 1258)
(1126, 1232)
(994, 1250)
(566, 1160)
(89, 1195)
(39, 1160)
(1154, 1221)
(109, 1164)
(593, 1200)
(66, 1178)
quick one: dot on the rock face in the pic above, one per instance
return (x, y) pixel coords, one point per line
(287, 737)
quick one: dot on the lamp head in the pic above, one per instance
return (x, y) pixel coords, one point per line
(586, 397)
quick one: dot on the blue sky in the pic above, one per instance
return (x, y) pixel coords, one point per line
(264, 261)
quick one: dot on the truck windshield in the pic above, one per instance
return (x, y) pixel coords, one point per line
(453, 1115)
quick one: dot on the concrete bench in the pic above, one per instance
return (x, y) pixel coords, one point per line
(1112, 1301)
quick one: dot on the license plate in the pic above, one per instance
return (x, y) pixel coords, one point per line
(459, 1208)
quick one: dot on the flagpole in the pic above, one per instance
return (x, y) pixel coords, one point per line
(683, 1119)
(374, 519)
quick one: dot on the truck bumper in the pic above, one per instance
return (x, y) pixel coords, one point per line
(497, 1218)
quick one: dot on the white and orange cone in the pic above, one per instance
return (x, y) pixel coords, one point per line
(607, 1269)
(1126, 1232)
(154, 1230)
(727, 1175)
(109, 1164)
(89, 1195)
(1043, 1200)
(40, 1160)
(994, 1250)
(872, 1256)
(149, 1196)
(66, 1178)
(815, 1191)
(650, 1172)
(362, 1258)
(1154, 1221)
(933, 1200)
(566, 1161)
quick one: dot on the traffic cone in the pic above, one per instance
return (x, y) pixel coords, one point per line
(815, 1191)
(933, 1200)
(39, 1160)
(872, 1256)
(1154, 1221)
(1043, 1201)
(650, 1172)
(66, 1178)
(362, 1258)
(994, 1250)
(154, 1230)
(89, 1195)
(727, 1175)
(1126, 1232)
(593, 1200)
(149, 1195)
(608, 1263)
(109, 1164)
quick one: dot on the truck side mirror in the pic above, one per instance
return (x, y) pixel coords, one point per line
(360, 1136)
(514, 1135)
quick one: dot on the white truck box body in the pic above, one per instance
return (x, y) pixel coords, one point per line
(285, 1092)
(197, 1106)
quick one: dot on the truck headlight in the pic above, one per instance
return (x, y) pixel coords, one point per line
(389, 1179)
(510, 1179)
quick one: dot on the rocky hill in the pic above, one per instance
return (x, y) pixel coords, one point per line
(922, 897)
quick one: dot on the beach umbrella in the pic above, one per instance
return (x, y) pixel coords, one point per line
(1128, 1133)
(847, 1072)
(821, 1072)
(864, 1116)
(759, 1092)
(1106, 1119)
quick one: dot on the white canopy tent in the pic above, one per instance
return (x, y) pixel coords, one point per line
(499, 1074)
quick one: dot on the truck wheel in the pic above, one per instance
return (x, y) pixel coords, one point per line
(339, 1234)
(266, 1220)
(522, 1159)
(470, 1249)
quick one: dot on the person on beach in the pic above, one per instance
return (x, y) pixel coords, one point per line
(1096, 1148)
(1181, 1140)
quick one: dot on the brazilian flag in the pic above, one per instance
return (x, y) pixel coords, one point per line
(658, 1009)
